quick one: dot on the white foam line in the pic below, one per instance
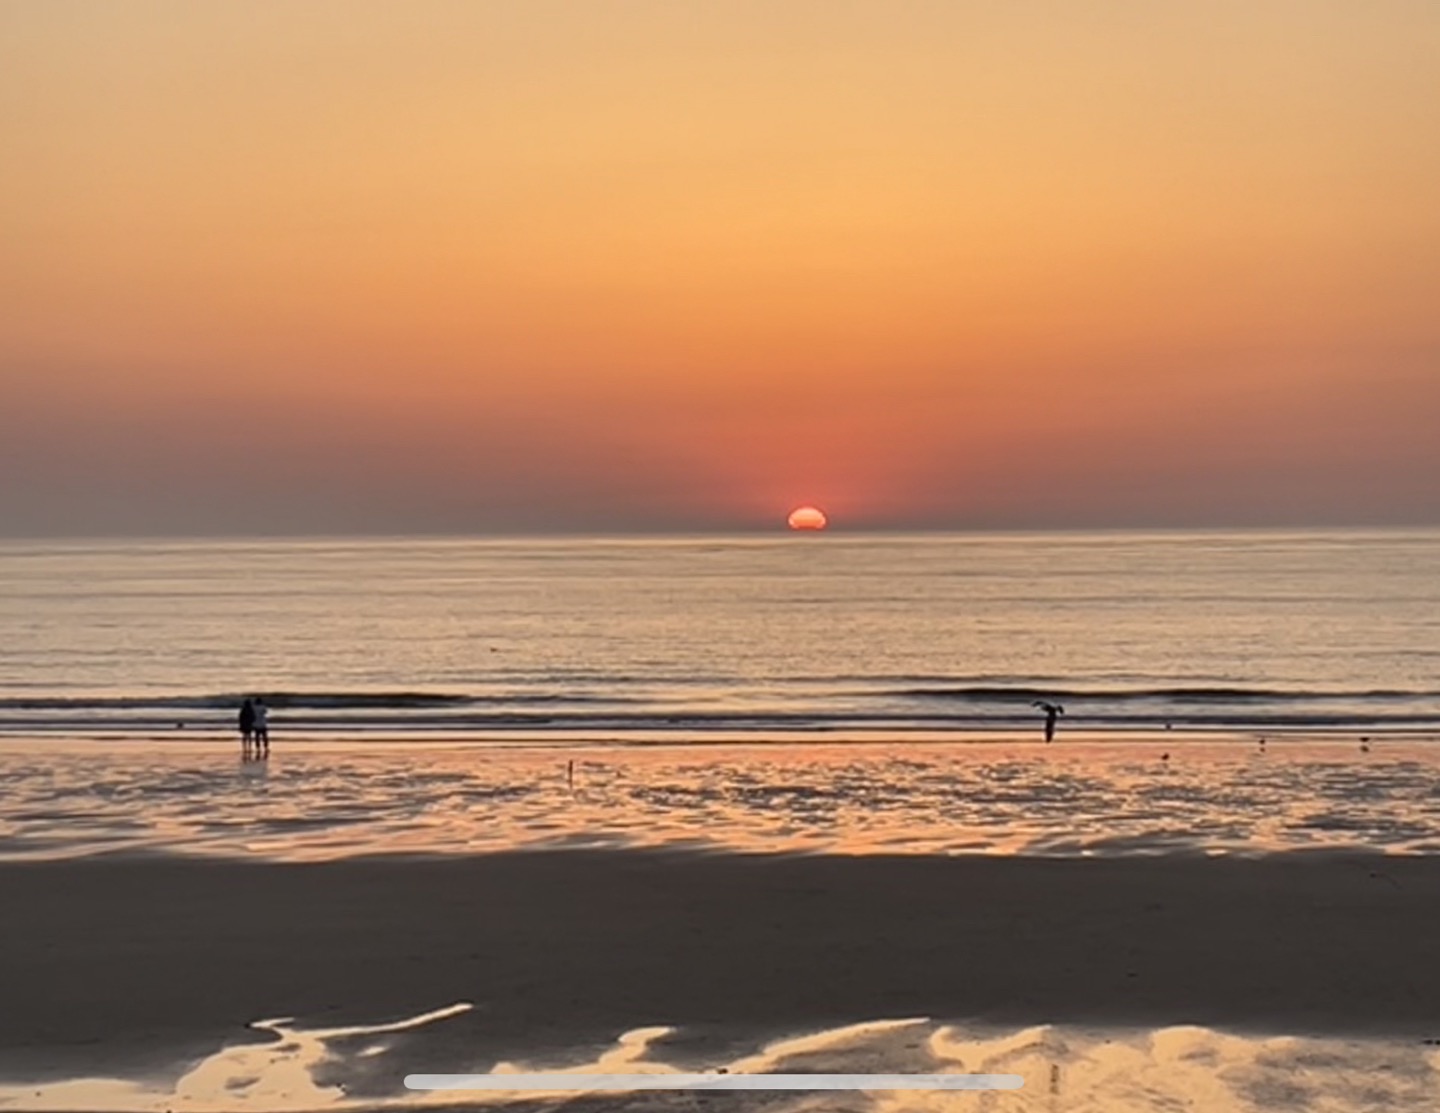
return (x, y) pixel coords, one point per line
(552, 1083)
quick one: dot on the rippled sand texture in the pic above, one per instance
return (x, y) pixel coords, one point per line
(1070, 1069)
(318, 802)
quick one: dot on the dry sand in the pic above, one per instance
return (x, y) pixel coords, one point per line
(112, 964)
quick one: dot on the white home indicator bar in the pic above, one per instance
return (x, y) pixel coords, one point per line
(553, 1083)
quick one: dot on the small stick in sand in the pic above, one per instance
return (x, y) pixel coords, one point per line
(570, 773)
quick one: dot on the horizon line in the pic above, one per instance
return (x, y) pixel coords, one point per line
(748, 533)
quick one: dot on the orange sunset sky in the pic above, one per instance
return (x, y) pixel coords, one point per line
(478, 267)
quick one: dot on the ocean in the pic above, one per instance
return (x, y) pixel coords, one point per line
(724, 638)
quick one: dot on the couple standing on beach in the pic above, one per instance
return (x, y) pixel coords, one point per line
(254, 727)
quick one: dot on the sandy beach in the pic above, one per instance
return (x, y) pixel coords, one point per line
(185, 931)
(118, 964)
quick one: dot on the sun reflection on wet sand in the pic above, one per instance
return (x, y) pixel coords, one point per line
(1066, 1070)
(277, 1077)
(1081, 798)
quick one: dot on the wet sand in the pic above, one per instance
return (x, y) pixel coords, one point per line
(116, 964)
(1121, 796)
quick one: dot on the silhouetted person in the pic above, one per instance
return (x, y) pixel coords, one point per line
(1052, 712)
(247, 724)
(262, 726)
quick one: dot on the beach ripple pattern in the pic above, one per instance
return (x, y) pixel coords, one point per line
(326, 802)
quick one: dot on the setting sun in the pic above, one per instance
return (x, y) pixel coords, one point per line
(807, 517)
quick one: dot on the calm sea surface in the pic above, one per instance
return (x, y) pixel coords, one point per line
(709, 637)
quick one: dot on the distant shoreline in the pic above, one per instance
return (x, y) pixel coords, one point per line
(209, 735)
